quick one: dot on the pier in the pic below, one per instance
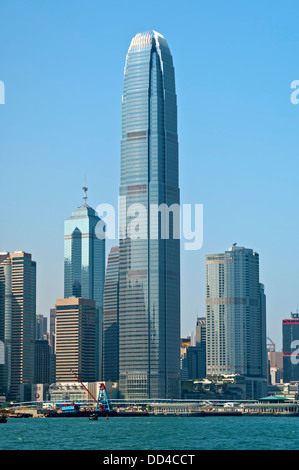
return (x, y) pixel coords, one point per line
(104, 407)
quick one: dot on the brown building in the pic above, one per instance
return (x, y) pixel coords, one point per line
(75, 342)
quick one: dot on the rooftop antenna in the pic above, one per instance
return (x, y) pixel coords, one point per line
(84, 191)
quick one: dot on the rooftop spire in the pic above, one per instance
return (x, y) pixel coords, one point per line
(84, 192)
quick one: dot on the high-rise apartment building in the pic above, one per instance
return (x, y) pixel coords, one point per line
(236, 318)
(17, 320)
(75, 339)
(149, 277)
(111, 318)
(84, 264)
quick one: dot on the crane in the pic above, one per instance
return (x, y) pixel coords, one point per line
(103, 404)
(270, 345)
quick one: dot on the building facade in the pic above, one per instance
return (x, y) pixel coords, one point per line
(149, 271)
(185, 345)
(84, 264)
(75, 339)
(52, 329)
(41, 326)
(44, 362)
(275, 367)
(290, 347)
(196, 355)
(201, 331)
(236, 318)
(17, 321)
(111, 318)
(196, 362)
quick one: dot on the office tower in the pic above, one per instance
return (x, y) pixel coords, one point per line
(84, 264)
(236, 318)
(290, 348)
(111, 317)
(274, 366)
(149, 278)
(52, 329)
(196, 362)
(193, 353)
(185, 345)
(41, 326)
(261, 333)
(43, 362)
(196, 355)
(200, 331)
(75, 339)
(17, 320)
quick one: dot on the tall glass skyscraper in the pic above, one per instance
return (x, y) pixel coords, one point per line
(84, 264)
(111, 318)
(149, 282)
(236, 318)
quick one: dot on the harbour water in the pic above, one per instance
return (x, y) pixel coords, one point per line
(151, 433)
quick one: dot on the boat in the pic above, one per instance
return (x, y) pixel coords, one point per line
(70, 408)
(93, 417)
(3, 419)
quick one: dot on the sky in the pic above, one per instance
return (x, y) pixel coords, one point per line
(62, 65)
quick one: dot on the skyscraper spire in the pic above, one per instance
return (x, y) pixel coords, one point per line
(84, 192)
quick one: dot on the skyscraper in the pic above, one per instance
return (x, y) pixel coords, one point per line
(201, 331)
(111, 318)
(236, 318)
(196, 355)
(43, 362)
(75, 339)
(84, 264)
(41, 326)
(290, 343)
(149, 282)
(52, 329)
(17, 320)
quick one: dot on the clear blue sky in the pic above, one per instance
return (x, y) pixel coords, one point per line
(62, 64)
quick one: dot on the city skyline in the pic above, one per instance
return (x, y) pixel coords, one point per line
(254, 147)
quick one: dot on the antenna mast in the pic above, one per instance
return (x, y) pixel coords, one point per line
(84, 191)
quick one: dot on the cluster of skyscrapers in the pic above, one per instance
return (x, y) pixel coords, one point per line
(121, 322)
